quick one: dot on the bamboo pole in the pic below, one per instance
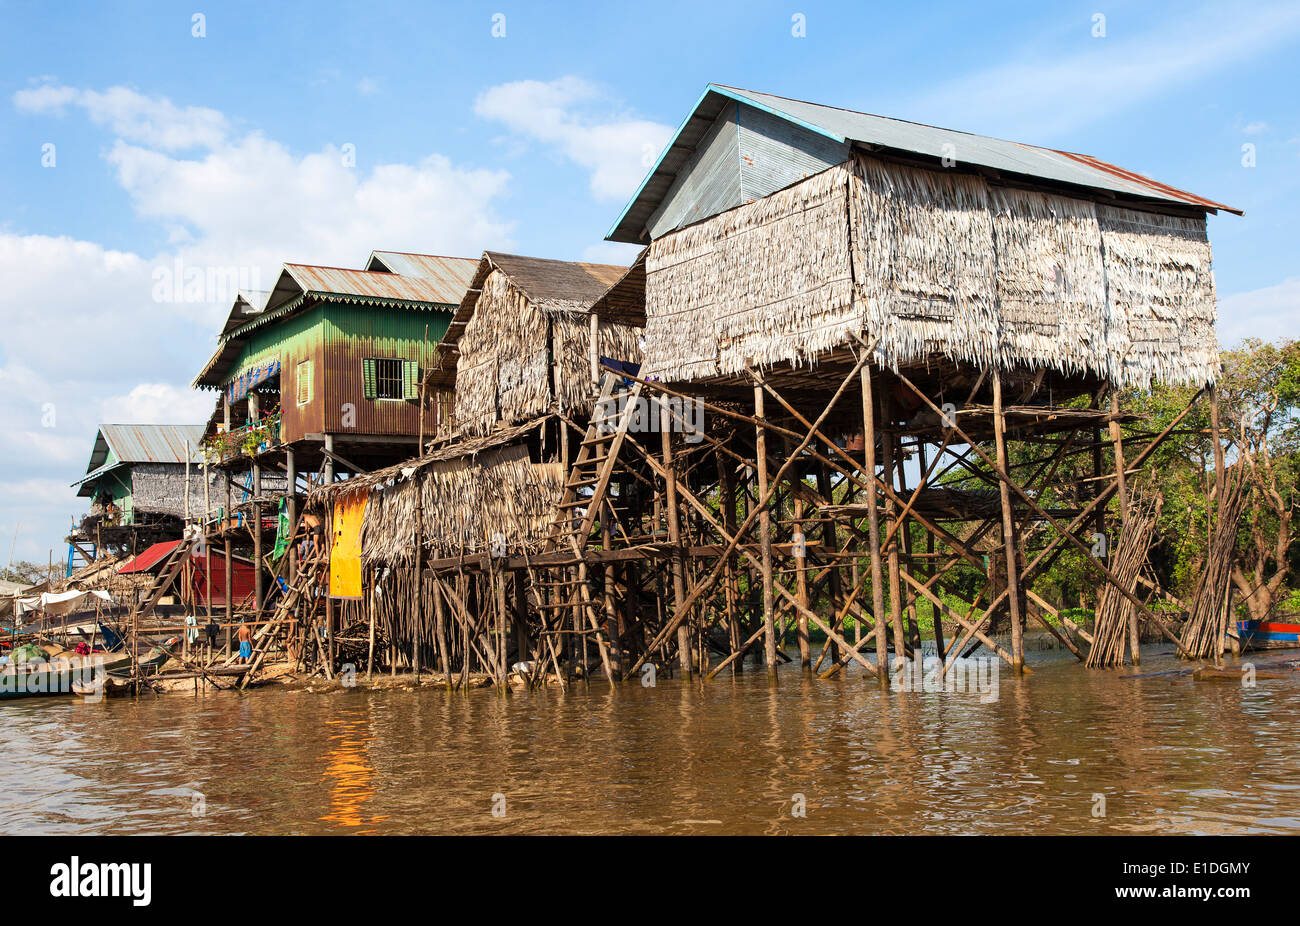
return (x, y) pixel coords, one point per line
(1117, 443)
(888, 446)
(675, 539)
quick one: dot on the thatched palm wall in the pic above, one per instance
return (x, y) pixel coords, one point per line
(504, 374)
(931, 262)
(471, 492)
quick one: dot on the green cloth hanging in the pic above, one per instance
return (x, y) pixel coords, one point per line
(282, 530)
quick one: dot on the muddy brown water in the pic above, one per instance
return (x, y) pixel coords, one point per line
(1166, 754)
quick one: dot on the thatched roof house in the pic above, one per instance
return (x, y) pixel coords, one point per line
(777, 230)
(521, 344)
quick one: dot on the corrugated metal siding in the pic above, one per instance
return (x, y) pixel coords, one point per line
(708, 183)
(353, 333)
(296, 338)
(776, 152)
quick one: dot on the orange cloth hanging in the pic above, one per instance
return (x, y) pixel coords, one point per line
(345, 551)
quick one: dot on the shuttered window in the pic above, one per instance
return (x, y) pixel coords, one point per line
(411, 379)
(368, 377)
(304, 382)
(384, 378)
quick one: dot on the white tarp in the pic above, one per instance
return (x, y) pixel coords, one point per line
(58, 602)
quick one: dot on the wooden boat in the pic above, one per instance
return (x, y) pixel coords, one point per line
(151, 661)
(57, 674)
(1268, 635)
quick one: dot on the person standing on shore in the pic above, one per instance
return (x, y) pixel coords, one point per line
(245, 641)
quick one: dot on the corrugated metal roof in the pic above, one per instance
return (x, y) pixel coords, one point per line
(892, 134)
(151, 443)
(142, 443)
(451, 275)
(248, 302)
(342, 282)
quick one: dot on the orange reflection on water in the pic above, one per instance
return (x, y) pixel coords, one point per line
(349, 774)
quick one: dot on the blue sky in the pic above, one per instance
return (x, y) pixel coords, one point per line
(229, 150)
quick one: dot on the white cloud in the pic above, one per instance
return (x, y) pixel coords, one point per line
(577, 118)
(1267, 313)
(611, 252)
(157, 403)
(154, 121)
(367, 86)
(1037, 98)
(85, 335)
(1255, 128)
(254, 203)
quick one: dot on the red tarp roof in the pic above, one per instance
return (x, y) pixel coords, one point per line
(150, 557)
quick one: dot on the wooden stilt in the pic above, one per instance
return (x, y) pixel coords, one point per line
(765, 531)
(675, 540)
(1117, 443)
(873, 526)
(1008, 528)
(888, 445)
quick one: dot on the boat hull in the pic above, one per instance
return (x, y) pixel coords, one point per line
(57, 676)
(1268, 635)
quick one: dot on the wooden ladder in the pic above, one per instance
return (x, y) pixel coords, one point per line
(166, 576)
(592, 469)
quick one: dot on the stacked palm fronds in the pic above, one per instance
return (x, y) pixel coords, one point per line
(532, 314)
(472, 491)
(1207, 623)
(1114, 611)
(1050, 283)
(923, 262)
(571, 345)
(502, 371)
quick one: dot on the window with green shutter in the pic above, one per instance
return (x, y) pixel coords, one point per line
(412, 379)
(368, 377)
(389, 378)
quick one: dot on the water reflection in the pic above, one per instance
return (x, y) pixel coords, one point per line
(1166, 754)
(348, 773)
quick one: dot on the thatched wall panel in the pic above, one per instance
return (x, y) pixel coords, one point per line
(571, 340)
(1050, 283)
(466, 501)
(1159, 280)
(759, 284)
(923, 262)
(502, 371)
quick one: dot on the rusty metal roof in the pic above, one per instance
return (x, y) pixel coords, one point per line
(885, 134)
(452, 275)
(336, 281)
